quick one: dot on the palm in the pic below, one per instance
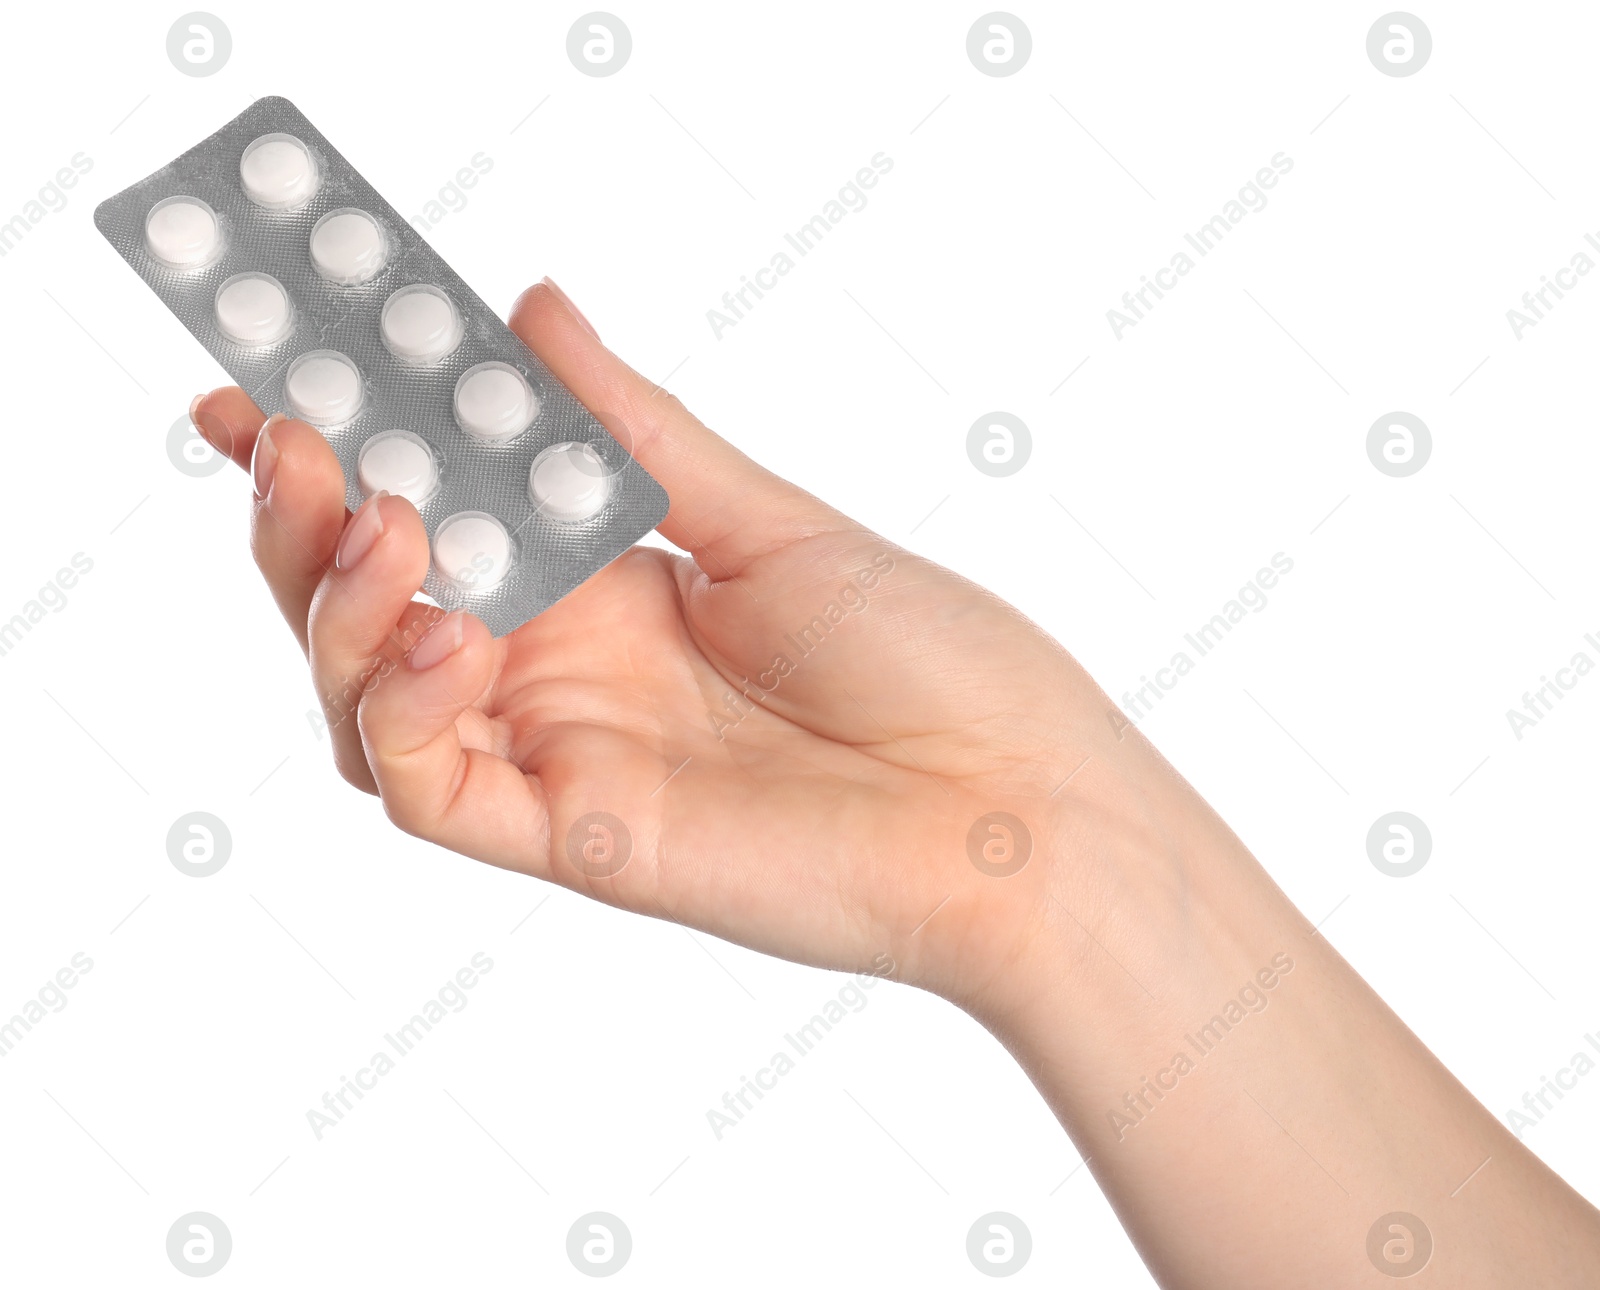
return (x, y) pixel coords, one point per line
(734, 760)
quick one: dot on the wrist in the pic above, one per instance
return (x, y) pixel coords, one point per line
(1144, 906)
(1031, 882)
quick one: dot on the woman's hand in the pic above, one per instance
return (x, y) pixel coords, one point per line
(807, 740)
(791, 739)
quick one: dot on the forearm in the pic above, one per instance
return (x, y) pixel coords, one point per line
(1249, 1105)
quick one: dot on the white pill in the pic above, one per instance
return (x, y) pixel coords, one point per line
(182, 232)
(472, 550)
(278, 172)
(420, 324)
(323, 387)
(495, 401)
(253, 309)
(569, 482)
(400, 463)
(348, 247)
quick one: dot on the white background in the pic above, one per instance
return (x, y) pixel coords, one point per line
(1192, 449)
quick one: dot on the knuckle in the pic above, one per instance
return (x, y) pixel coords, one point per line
(366, 716)
(355, 773)
(350, 759)
(401, 808)
(404, 815)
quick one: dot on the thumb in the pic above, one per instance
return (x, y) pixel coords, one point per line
(725, 510)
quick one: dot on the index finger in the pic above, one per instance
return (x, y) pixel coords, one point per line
(298, 511)
(229, 420)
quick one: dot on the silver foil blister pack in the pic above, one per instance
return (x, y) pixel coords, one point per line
(323, 303)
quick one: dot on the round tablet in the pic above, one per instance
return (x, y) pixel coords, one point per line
(495, 401)
(400, 463)
(569, 482)
(278, 172)
(348, 247)
(182, 233)
(323, 387)
(420, 324)
(472, 550)
(253, 309)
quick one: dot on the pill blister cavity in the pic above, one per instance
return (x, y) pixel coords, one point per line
(183, 233)
(324, 388)
(349, 247)
(253, 309)
(569, 482)
(278, 172)
(494, 401)
(420, 324)
(472, 550)
(400, 463)
(330, 307)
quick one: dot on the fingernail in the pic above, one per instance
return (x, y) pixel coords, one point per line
(365, 528)
(264, 461)
(439, 644)
(208, 428)
(571, 308)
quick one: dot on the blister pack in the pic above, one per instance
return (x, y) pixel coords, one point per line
(323, 303)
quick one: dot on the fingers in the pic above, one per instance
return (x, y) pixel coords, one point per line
(299, 514)
(354, 641)
(229, 420)
(726, 510)
(299, 488)
(434, 785)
